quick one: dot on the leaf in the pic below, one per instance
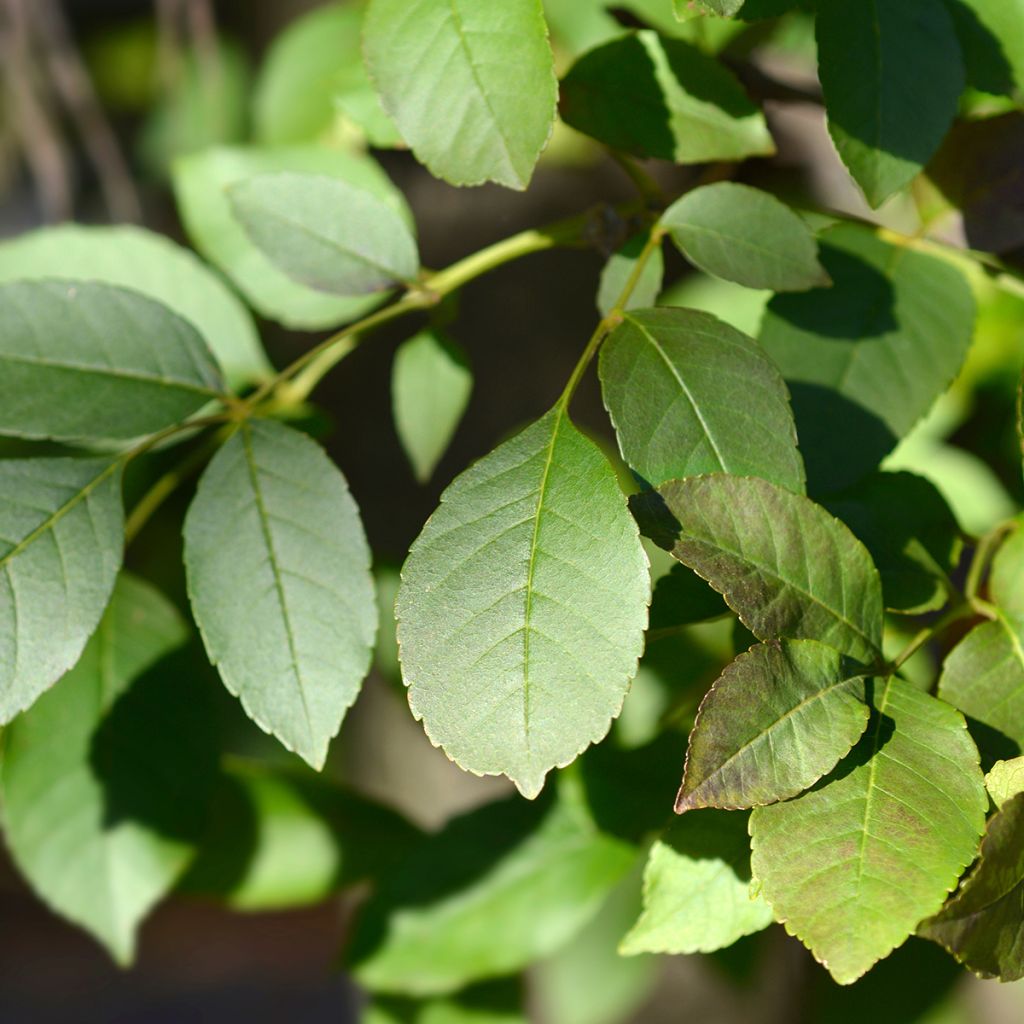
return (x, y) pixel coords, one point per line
(80, 359)
(103, 779)
(680, 598)
(496, 889)
(201, 184)
(852, 866)
(324, 233)
(697, 888)
(156, 267)
(912, 535)
(1006, 582)
(471, 88)
(618, 271)
(888, 104)
(783, 564)
(981, 925)
(866, 358)
(283, 839)
(490, 1002)
(1005, 780)
(672, 381)
(991, 36)
(779, 718)
(523, 605)
(61, 545)
(430, 388)
(745, 235)
(657, 97)
(279, 580)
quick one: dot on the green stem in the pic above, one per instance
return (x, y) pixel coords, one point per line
(650, 191)
(982, 557)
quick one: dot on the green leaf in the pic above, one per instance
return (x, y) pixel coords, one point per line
(741, 308)
(618, 271)
(282, 839)
(671, 380)
(981, 925)
(80, 359)
(1008, 572)
(155, 266)
(279, 579)
(697, 894)
(680, 598)
(866, 358)
(472, 89)
(490, 1002)
(991, 36)
(783, 564)
(723, 8)
(1005, 780)
(61, 544)
(889, 104)
(779, 718)
(201, 184)
(912, 535)
(324, 233)
(103, 778)
(493, 891)
(430, 388)
(745, 235)
(657, 97)
(852, 866)
(523, 605)
(313, 69)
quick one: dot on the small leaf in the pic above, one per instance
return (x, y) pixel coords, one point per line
(279, 580)
(618, 271)
(61, 545)
(1006, 582)
(672, 381)
(783, 563)
(430, 388)
(981, 925)
(153, 265)
(104, 778)
(889, 104)
(80, 359)
(657, 97)
(697, 888)
(680, 598)
(745, 235)
(493, 891)
(852, 866)
(523, 605)
(324, 233)
(1005, 780)
(472, 89)
(779, 718)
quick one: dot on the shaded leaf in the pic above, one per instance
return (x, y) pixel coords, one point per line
(1005, 780)
(852, 866)
(680, 598)
(783, 564)
(866, 358)
(324, 233)
(688, 394)
(657, 97)
(93, 816)
(697, 894)
(523, 605)
(430, 388)
(618, 271)
(471, 88)
(778, 718)
(489, 1002)
(745, 235)
(61, 545)
(889, 104)
(279, 580)
(981, 925)
(80, 359)
(991, 36)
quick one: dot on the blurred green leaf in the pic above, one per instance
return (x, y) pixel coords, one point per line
(490, 1002)
(1005, 780)
(681, 597)
(1006, 582)
(734, 305)
(618, 271)
(991, 34)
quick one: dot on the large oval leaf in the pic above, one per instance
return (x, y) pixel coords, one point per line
(470, 86)
(523, 605)
(672, 381)
(61, 544)
(279, 579)
(80, 359)
(853, 866)
(784, 565)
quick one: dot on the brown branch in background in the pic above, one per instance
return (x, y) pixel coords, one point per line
(40, 140)
(168, 57)
(203, 29)
(75, 88)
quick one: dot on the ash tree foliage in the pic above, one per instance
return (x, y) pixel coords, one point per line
(834, 775)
